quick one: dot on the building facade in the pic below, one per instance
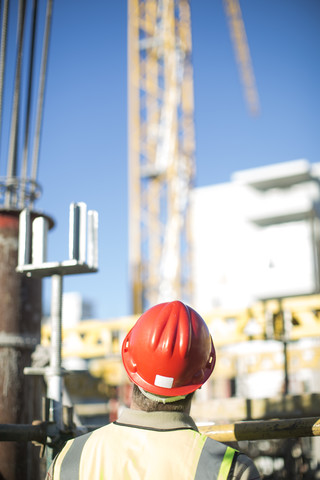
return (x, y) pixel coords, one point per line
(257, 237)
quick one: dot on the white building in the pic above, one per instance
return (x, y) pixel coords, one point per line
(257, 237)
(74, 309)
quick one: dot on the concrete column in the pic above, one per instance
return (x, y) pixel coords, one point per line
(20, 323)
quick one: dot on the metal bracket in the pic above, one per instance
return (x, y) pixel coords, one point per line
(83, 258)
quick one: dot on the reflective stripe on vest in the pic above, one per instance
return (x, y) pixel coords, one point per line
(136, 453)
(66, 466)
(215, 461)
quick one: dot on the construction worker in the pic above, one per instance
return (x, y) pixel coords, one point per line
(168, 355)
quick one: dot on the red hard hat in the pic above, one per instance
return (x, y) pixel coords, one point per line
(169, 351)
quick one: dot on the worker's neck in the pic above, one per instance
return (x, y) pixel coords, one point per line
(135, 406)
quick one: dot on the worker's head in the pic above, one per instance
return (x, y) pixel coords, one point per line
(169, 352)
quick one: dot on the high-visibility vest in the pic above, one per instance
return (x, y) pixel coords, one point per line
(123, 452)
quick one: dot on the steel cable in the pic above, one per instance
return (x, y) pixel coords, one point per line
(44, 61)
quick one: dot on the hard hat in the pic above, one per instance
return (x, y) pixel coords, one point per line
(169, 351)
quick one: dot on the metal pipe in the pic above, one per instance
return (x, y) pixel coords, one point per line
(54, 375)
(253, 430)
(40, 226)
(77, 232)
(262, 430)
(24, 237)
(92, 256)
(24, 433)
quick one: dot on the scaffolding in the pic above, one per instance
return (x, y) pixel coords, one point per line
(161, 150)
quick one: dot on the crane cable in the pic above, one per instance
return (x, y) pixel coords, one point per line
(3, 49)
(13, 142)
(28, 107)
(44, 62)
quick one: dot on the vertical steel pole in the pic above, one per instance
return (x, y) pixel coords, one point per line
(55, 375)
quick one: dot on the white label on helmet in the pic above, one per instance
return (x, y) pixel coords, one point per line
(164, 382)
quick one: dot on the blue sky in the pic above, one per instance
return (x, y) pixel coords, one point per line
(83, 154)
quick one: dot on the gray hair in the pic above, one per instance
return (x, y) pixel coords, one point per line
(149, 405)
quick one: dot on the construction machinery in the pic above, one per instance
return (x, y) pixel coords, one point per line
(162, 145)
(161, 149)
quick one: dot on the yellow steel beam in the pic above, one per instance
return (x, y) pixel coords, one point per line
(133, 154)
(240, 43)
(97, 338)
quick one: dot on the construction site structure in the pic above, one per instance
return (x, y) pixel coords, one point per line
(258, 378)
(256, 276)
(242, 353)
(269, 337)
(161, 149)
(21, 297)
(162, 143)
(242, 54)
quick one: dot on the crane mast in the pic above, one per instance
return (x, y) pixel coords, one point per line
(242, 54)
(161, 150)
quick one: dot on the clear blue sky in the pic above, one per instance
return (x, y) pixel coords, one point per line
(84, 143)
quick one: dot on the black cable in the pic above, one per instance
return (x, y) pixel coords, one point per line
(3, 50)
(28, 107)
(35, 157)
(13, 142)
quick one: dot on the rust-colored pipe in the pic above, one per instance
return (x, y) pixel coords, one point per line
(20, 323)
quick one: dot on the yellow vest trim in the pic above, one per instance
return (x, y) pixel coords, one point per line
(226, 464)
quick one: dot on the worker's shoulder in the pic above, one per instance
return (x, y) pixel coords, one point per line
(244, 468)
(75, 446)
(93, 435)
(96, 433)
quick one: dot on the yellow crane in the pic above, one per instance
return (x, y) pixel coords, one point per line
(242, 53)
(161, 144)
